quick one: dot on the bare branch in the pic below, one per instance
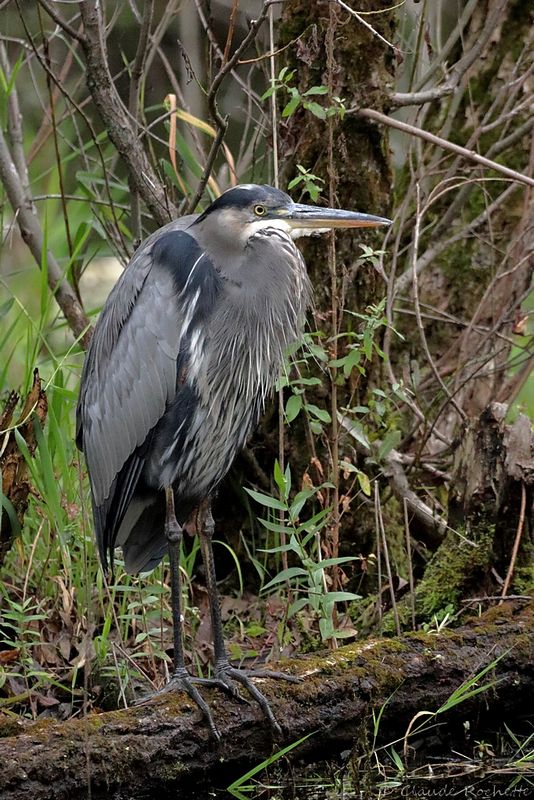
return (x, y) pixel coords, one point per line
(420, 98)
(116, 119)
(63, 24)
(220, 123)
(377, 116)
(401, 489)
(30, 230)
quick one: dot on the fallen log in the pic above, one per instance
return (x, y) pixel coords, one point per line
(166, 745)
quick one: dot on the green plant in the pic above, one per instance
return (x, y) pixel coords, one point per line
(308, 579)
(239, 788)
(308, 182)
(283, 83)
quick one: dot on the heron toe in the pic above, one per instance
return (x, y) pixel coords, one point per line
(226, 673)
(181, 680)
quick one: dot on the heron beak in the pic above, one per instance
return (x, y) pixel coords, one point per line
(315, 218)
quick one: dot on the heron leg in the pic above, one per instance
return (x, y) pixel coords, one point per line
(224, 672)
(180, 677)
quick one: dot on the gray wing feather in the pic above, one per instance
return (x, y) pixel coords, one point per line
(129, 374)
(130, 384)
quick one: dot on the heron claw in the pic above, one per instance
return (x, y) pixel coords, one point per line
(225, 671)
(181, 680)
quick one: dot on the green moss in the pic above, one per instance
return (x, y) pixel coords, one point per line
(172, 770)
(455, 564)
(523, 580)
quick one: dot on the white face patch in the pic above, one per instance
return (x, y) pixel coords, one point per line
(262, 224)
(297, 233)
(281, 224)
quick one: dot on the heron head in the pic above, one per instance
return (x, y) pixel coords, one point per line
(246, 209)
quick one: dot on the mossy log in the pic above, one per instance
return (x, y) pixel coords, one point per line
(166, 745)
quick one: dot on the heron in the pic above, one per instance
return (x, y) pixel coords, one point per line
(183, 357)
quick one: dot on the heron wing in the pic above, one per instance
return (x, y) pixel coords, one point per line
(130, 372)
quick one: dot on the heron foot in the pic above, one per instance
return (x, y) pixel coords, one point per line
(226, 674)
(181, 680)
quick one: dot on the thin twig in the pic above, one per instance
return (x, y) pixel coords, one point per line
(133, 108)
(231, 29)
(220, 123)
(377, 116)
(517, 541)
(385, 550)
(367, 25)
(63, 24)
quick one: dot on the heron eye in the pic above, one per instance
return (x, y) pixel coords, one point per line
(259, 210)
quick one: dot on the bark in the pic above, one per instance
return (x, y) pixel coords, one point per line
(489, 547)
(13, 468)
(351, 155)
(165, 745)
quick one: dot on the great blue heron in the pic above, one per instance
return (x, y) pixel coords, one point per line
(183, 357)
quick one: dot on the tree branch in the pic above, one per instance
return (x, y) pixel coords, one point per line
(30, 230)
(377, 116)
(63, 24)
(220, 123)
(116, 119)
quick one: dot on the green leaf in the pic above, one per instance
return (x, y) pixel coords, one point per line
(280, 479)
(365, 483)
(266, 500)
(299, 500)
(315, 109)
(285, 575)
(275, 527)
(290, 107)
(389, 442)
(297, 606)
(332, 562)
(293, 407)
(356, 431)
(326, 628)
(320, 413)
(316, 90)
(341, 597)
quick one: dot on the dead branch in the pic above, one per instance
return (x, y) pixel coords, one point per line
(32, 234)
(377, 116)
(116, 118)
